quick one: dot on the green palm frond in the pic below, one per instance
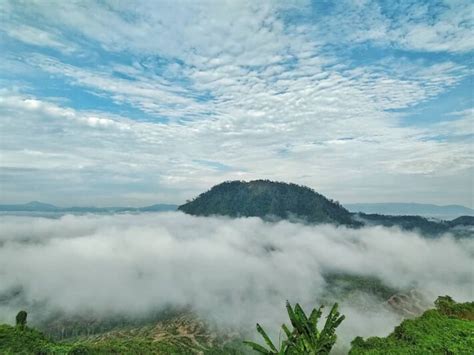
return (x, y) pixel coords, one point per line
(257, 347)
(305, 338)
(266, 338)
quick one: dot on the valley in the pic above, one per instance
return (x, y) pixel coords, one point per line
(174, 281)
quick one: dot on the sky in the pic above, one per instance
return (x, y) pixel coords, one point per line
(134, 103)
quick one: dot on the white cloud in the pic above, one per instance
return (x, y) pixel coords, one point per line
(462, 125)
(38, 37)
(151, 94)
(240, 87)
(167, 155)
(444, 26)
(450, 31)
(131, 264)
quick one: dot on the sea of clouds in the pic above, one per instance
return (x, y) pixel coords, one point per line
(231, 272)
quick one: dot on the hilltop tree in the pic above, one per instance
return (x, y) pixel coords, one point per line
(21, 320)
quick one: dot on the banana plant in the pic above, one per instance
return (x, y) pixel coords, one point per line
(273, 349)
(305, 337)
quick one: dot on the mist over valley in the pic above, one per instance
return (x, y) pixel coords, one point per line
(89, 273)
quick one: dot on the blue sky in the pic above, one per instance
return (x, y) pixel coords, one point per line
(133, 103)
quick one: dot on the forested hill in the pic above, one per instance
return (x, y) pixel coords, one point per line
(278, 200)
(264, 198)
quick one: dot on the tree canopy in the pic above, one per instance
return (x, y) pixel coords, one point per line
(267, 199)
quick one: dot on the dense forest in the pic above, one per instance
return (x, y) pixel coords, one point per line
(277, 200)
(267, 199)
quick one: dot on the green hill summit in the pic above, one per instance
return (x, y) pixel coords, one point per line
(268, 199)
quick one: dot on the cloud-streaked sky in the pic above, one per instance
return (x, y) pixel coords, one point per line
(132, 103)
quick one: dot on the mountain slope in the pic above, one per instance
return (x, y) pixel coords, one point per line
(420, 209)
(448, 329)
(460, 227)
(30, 206)
(408, 223)
(277, 200)
(266, 199)
(35, 206)
(177, 335)
(462, 221)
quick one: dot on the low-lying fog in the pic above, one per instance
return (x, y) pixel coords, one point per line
(233, 272)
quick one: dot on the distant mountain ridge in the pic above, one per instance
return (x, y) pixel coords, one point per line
(461, 227)
(35, 206)
(276, 201)
(414, 209)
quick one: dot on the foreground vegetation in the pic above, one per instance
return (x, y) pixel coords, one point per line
(447, 329)
(305, 338)
(181, 336)
(30, 341)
